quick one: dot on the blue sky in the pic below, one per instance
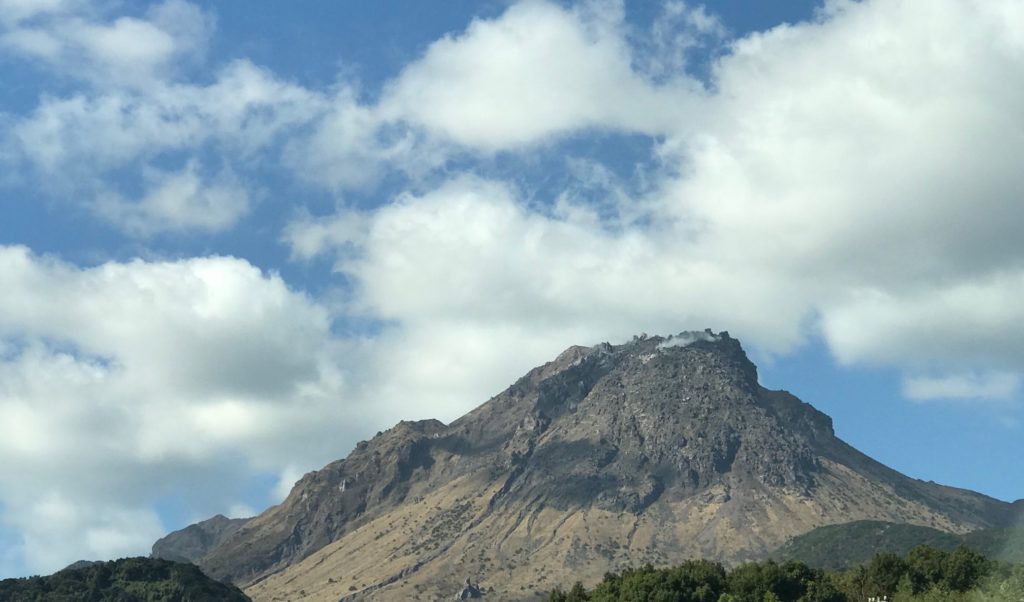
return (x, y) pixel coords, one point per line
(233, 242)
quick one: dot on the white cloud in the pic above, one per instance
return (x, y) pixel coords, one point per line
(536, 72)
(872, 166)
(126, 44)
(188, 25)
(76, 144)
(136, 111)
(483, 89)
(229, 318)
(125, 382)
(81, 530)
(963, 322)
(238, 511)
(244, 109)
(997, 386)
(352, 145)
(33, 42)
(178, 201)
(308, 236)
(287, 478)
(852, 176)
(15, 11)
(469, 264)
(73, 41)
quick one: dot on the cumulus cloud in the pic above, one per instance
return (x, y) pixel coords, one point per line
(125, 382)
(848, 177)
(536, 72)
(468, 264)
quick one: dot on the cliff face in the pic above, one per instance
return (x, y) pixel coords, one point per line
(652, 451)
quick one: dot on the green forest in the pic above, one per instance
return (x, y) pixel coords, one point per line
(925, 574)
(125, 580)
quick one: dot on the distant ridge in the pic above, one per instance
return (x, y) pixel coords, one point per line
(195, 541)
(657, 450)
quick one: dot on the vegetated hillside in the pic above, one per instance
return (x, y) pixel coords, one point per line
(849, 544)
(125, 580)
(924, 575)
(1005, 544)
(657, 450)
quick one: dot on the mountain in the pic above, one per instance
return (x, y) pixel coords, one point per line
(654, 451)
(195, 541)
(125, 580)
(849, 544)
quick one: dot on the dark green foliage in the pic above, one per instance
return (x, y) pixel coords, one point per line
(850, 544)
(1001, 544)
(125, 580)
(824, 589)
(882, 575)
(693, 581)
(925, 567)
(576, 594)
(963, 569)
(754, 581)
(924, 575)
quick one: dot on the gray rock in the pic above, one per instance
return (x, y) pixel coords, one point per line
(469, 592)
(195, 541)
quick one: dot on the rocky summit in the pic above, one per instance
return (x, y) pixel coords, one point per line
(657, 450)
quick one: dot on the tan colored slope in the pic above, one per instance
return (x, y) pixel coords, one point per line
(426, 550)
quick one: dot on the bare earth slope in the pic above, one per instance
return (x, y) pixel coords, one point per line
(652, 451)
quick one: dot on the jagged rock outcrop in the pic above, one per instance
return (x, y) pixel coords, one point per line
(469, 592)
(652, 451)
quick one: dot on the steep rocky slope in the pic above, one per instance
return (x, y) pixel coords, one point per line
(652, 451)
